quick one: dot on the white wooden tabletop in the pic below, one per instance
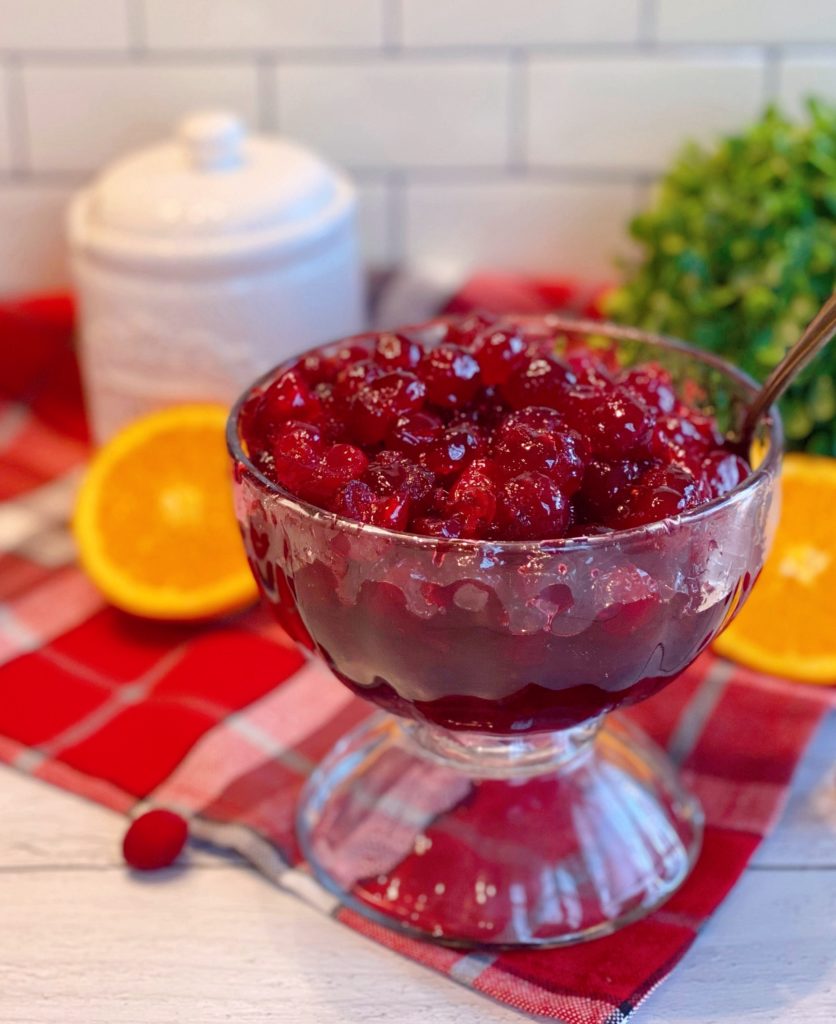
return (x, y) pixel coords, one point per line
(81, 940)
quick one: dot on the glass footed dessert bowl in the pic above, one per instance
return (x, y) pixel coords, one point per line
(493, 803)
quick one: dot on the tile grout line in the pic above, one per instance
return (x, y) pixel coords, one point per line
(266, 93)
(392, 18)
(771, 74)
(18, 127)
(137, 27)
(396, 216)
(635, 49)
(648, 22)
(517, 110)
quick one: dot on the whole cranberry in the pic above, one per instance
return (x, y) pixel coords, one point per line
(464, 331)
(499, 353)
(538, 417)
(487, 409)
(353, 376)
(589, 369)
(722, 471)
(356, 500)
(532, 507)
(652, 383)
(660, 492)
(455, 448)
(683, 438)
(414, 432)
(297, 450)
(154, 840)
(394, 474)
(397, 351)
(339, 464)
(287, 397)
(332, 417)
(450, 374)
(615, 421)
(606, 484)
(345, 356)
(316, 368)
(473, 497)
(380, 401)
(561, 456)
(542, 381)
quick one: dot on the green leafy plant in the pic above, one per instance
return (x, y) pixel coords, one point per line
(738, 251)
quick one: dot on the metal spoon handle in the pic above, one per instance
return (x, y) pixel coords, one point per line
(816, 335)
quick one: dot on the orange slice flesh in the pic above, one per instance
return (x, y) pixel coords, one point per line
(788, 626)
(154, 520)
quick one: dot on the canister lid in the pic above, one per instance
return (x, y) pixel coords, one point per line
(212, 192)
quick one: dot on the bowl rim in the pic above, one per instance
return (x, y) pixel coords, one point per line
(768, 467)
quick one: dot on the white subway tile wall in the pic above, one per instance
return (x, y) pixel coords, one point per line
(56, 25)
(516, 133)
(80, 116)
(632, 112)
(571, 228)
(801, 77)
(31, 225)
(518, 22)
(262, 24)
(5, 127)
(740, 21)
(374, 200)
(399, 112)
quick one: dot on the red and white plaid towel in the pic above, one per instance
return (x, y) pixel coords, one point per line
(225, 722)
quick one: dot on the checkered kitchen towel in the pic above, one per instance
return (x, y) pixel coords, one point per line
(225, 721)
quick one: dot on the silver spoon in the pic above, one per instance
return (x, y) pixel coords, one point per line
(813, 339)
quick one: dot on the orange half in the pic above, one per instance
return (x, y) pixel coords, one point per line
(154, 520)
(788, 626)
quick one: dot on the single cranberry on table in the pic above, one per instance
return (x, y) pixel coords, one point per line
(154, 840)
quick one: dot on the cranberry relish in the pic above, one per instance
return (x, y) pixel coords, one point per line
(485, 434)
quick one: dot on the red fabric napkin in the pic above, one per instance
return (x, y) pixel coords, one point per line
(224, 722)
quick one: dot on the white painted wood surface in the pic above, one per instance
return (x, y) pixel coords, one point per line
(84, 942)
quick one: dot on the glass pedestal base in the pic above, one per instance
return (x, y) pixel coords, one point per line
(496, 841)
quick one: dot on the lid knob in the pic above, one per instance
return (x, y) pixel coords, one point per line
(212, 140)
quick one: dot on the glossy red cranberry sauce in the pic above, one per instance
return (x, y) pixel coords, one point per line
(485, 434)
(477, 429)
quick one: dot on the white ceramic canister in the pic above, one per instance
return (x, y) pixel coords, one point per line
(201, 262)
